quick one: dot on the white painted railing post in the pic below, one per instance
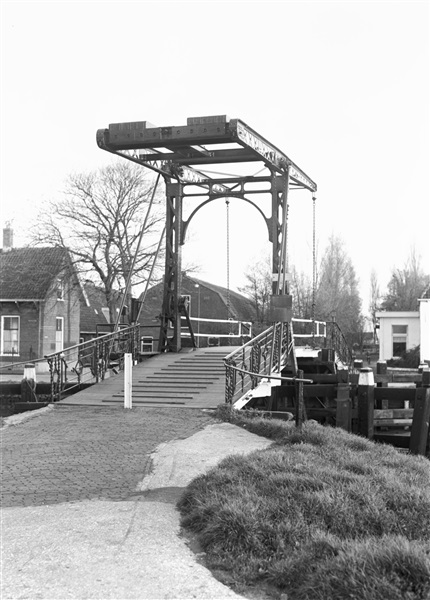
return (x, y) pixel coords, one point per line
(128, 373)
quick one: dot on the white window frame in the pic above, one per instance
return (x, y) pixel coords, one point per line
(62, 333)
(399, 337)
(60, 289)
(3, 353)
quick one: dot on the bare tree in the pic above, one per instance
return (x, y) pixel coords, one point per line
(338, 295)
(406, 285)
(259, 288)
(375, 300)
(100, 219)
(301, 290)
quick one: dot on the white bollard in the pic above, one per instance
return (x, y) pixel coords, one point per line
(30, 371)
(128, 374)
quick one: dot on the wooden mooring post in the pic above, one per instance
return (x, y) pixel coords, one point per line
(366, 403)
(421, 419)
(343, 406)
(300, 401)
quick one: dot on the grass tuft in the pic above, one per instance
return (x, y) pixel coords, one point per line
(320, 514)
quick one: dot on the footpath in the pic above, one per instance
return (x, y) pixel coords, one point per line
(89, 499)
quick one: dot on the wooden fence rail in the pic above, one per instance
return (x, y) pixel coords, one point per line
(400, 415)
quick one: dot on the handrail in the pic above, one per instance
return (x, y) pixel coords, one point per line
(266, 355)
(276, 377)
(250, 342)
(260, 357)
(69, 348)
(339, 344)
(91, 360)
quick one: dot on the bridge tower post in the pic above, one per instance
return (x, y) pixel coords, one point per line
(170, 316)
(279, 231)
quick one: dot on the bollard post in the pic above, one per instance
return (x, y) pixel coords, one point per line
(365, 398)
(300, 402)
(343, 406)
(128, 375)
(382, 369)
(28, 384)
(421, 420)
(358, 364)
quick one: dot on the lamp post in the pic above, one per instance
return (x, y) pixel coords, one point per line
(196, 285)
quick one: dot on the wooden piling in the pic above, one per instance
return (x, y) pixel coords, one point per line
(343, 407)
(300, 402)
(366, 403)
(421, 420)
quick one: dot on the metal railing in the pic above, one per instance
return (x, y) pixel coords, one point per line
(267, 354)
(89, 362)
(219, 328)
(260, 357)
(336, 340)
(307, 329)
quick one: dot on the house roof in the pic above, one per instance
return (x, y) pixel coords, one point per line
(95, 312)
(28, 273)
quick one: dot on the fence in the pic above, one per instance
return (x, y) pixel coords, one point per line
(396, 415)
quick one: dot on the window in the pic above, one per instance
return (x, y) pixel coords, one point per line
(147, 345)
(400, 335)
(59, 334)
(10, 335)
(60, 289)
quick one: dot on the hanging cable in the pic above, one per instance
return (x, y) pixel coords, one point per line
(314, 266)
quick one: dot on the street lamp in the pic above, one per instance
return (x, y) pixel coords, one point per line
(196, 285)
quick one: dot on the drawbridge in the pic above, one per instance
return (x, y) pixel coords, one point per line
(255, 171)
(182, 156)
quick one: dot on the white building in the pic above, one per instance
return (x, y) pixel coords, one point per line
(400, 331)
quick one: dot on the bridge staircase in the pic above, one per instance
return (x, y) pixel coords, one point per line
(191, 378)
(259, 372)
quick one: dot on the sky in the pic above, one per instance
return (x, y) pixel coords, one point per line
(342, 88)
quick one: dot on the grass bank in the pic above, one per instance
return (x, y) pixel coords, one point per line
(321, 515)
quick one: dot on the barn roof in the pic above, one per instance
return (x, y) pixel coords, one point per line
(240, 306)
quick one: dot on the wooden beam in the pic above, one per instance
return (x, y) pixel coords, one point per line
(420, 424)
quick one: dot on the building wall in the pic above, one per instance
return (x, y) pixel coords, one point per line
(425, 330)
(37, 324)
(28, 313)
(69, 310)
(386, 322)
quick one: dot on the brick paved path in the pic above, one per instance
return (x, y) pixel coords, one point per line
(70, 454)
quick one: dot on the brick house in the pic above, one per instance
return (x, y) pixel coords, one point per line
(206, 301)
(94, 318)
(40, 299)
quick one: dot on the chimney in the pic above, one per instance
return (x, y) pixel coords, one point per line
(7, 237)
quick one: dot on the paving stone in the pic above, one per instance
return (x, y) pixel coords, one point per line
(76, 453)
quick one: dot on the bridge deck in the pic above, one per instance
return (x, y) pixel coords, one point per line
(190, 379)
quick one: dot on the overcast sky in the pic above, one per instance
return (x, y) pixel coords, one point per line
(342, 88)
